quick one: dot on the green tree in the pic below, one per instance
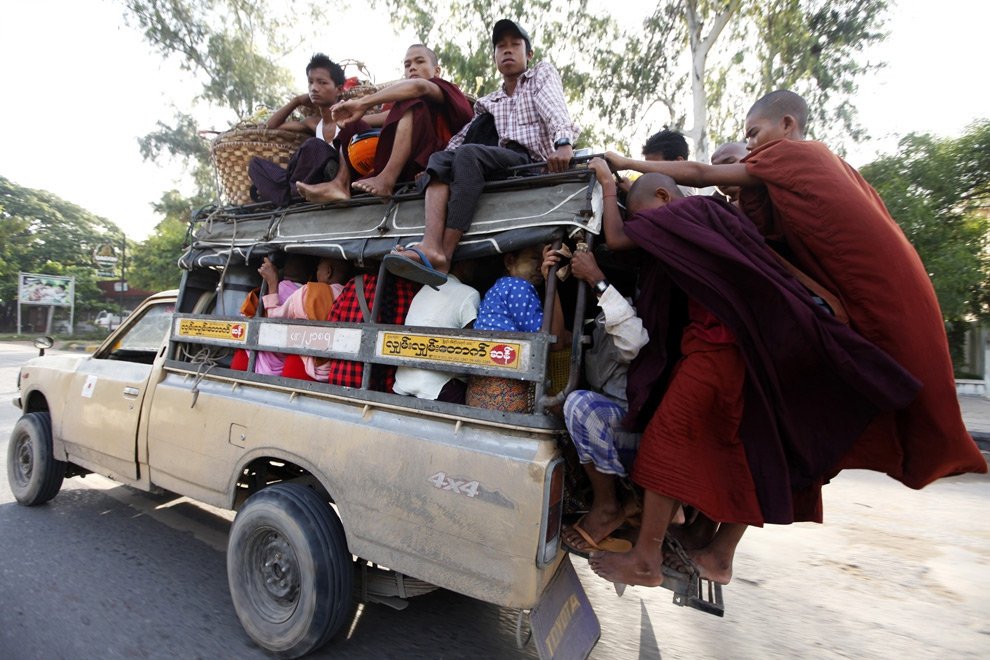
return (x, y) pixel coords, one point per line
(154, 263)
(230, 47)
(42, 233)
(704, 60)
(938, 189)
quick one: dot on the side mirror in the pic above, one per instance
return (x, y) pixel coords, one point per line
(41, 343)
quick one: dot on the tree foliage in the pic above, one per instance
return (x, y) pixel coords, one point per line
(938, 189)
(230, 47)
(154, 263)
(42, 233)
(705, 61)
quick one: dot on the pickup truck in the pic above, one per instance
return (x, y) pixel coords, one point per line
(332, 483)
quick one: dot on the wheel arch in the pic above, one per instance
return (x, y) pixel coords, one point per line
(268, 466)
(34, 401)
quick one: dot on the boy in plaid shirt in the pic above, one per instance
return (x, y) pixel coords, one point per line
(347, 309)
(531, 119)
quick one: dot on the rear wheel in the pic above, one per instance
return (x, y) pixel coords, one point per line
(289, 570)
(34, 474)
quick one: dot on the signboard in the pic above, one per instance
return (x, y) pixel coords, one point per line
(309, 337)
(35, 289)
(459, 350)
(105, 258)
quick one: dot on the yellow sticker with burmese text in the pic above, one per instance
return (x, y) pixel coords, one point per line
(451, 349)
(228, 330)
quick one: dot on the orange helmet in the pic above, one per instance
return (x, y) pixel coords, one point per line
(361, 152)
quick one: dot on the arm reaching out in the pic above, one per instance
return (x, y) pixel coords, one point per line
(615, 235)
(688, 173)
(346, 112)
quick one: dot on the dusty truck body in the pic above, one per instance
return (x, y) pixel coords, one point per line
(464, 498)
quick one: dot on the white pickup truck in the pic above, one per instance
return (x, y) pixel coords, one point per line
(331, 482)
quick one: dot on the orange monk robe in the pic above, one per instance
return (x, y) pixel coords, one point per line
(840, 232)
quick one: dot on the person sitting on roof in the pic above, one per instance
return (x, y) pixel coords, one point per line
(530, 117)
(427, 111)
(318, 159)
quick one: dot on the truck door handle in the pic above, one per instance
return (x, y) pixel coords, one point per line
(131, 392)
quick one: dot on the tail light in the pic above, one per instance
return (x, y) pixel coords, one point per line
(553, 507)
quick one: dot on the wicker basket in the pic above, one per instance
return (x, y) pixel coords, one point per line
(232, 150)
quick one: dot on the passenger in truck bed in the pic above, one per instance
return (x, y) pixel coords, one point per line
(427, 110)
(531, 118)
(320, 157)
(513, 304)
(296, 271)
(354, 305)
(312, 301)
(453, 305)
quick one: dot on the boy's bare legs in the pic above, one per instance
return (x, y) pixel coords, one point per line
(331, 191)
(640, 566)
(438, 242)
(383, 183)
(605, 515)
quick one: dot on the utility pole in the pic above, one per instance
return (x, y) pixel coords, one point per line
(123, 272)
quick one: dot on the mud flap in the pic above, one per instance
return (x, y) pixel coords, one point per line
(564, 624)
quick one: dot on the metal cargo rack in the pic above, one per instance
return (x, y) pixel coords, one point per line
(513, 214)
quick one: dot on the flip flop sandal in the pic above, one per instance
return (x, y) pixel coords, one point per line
(607, 544)
(424, 273)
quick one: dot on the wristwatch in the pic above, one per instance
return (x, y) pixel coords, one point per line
(600, 287)
(562, 142)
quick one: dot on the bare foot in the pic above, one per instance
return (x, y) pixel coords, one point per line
(322, 192)
(379, 186)
(598, 523)
(627, 568)
(712, 567)
(438, 260)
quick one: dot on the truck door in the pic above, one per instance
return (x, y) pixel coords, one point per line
(99, 423)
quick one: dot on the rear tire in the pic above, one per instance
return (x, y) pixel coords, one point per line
(289, 570)
(35, 476)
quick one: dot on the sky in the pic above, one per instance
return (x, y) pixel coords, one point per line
(80, 88)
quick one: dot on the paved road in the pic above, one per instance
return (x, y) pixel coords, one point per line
(104, 571)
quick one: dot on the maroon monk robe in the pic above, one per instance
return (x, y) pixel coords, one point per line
(433, 126)
(840, 232)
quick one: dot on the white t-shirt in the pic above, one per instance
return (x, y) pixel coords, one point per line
(453, 305)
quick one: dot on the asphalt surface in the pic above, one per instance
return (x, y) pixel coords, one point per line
(104, 571)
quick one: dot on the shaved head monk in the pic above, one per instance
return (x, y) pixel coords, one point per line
(427, 110)
(751, 327)
(839, 232)
(698, 417)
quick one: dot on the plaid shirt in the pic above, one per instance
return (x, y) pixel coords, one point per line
(535, 116)
(346, 308)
